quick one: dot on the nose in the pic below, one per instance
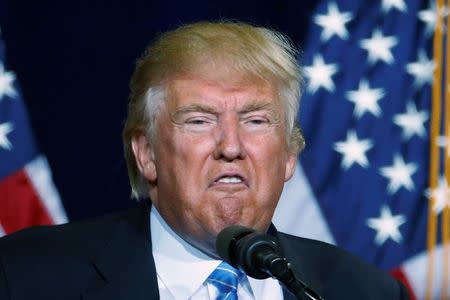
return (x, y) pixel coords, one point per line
(229, 146)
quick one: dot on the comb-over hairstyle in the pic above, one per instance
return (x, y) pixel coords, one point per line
(243, 50)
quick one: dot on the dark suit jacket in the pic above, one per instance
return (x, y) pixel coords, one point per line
(110, 258)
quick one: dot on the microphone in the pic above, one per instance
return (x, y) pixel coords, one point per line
(260, 257)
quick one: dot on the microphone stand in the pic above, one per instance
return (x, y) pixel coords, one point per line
(279, 268)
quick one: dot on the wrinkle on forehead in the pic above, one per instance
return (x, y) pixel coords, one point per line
(188, 94)
(179, 87)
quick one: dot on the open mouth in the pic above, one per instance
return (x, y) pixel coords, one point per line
(230, 179)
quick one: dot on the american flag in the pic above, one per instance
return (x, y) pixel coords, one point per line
(27, 193)
(363, 180)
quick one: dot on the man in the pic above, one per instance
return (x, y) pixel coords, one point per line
(210, 138)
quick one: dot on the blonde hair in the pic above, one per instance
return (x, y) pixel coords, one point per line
(242, 48)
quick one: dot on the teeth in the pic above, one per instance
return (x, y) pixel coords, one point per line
(230, 180)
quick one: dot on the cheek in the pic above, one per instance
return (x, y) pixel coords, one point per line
(188, 157)
(181, 165)
(269, 152)
(270, 159)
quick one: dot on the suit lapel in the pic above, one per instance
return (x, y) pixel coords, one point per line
(298, 259)
(287, 295)
(125, 266)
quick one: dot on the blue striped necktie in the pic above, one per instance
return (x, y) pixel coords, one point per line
(226, 279)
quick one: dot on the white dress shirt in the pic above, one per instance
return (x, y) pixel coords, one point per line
(182, 270)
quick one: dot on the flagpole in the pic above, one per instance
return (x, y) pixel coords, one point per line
(434, 149)
(446, 211)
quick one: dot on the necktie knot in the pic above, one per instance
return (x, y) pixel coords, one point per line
(226, 279)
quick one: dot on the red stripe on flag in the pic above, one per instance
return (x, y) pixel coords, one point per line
(398, 273)
(20, 206)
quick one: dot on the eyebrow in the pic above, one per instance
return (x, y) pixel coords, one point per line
(194, 108)
(255, 106)
(262, 106)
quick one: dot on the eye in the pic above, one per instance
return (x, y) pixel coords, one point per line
(258, 121)
(197, 121)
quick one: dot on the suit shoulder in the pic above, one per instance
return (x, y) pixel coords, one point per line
(73, 237)
(337, 268)
(60, 262)
(321, 251)
(315, 247)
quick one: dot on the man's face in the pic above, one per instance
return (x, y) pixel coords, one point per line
(220, 157)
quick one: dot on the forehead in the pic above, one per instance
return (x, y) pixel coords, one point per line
(234, 92)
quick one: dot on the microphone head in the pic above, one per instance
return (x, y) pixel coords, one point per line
(227, 239)
(245, 248)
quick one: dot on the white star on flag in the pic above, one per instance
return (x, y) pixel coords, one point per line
(379, 47)
(387, 5)
(365, 99)
(5, 128)
(411, 122)
(386, 226)
(399, 174)
(429, 17)
(353, 150)
(422, 70)
(319, 74)
(333, 23)
(6, 83)
(440, 195)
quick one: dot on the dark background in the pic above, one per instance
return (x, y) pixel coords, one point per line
(73, 61)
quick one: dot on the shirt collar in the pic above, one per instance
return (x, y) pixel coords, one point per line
(181, 267)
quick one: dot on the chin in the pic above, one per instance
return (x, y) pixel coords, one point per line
(229, 220)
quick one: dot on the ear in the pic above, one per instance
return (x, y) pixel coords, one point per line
(291, 163)
(144, 156)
